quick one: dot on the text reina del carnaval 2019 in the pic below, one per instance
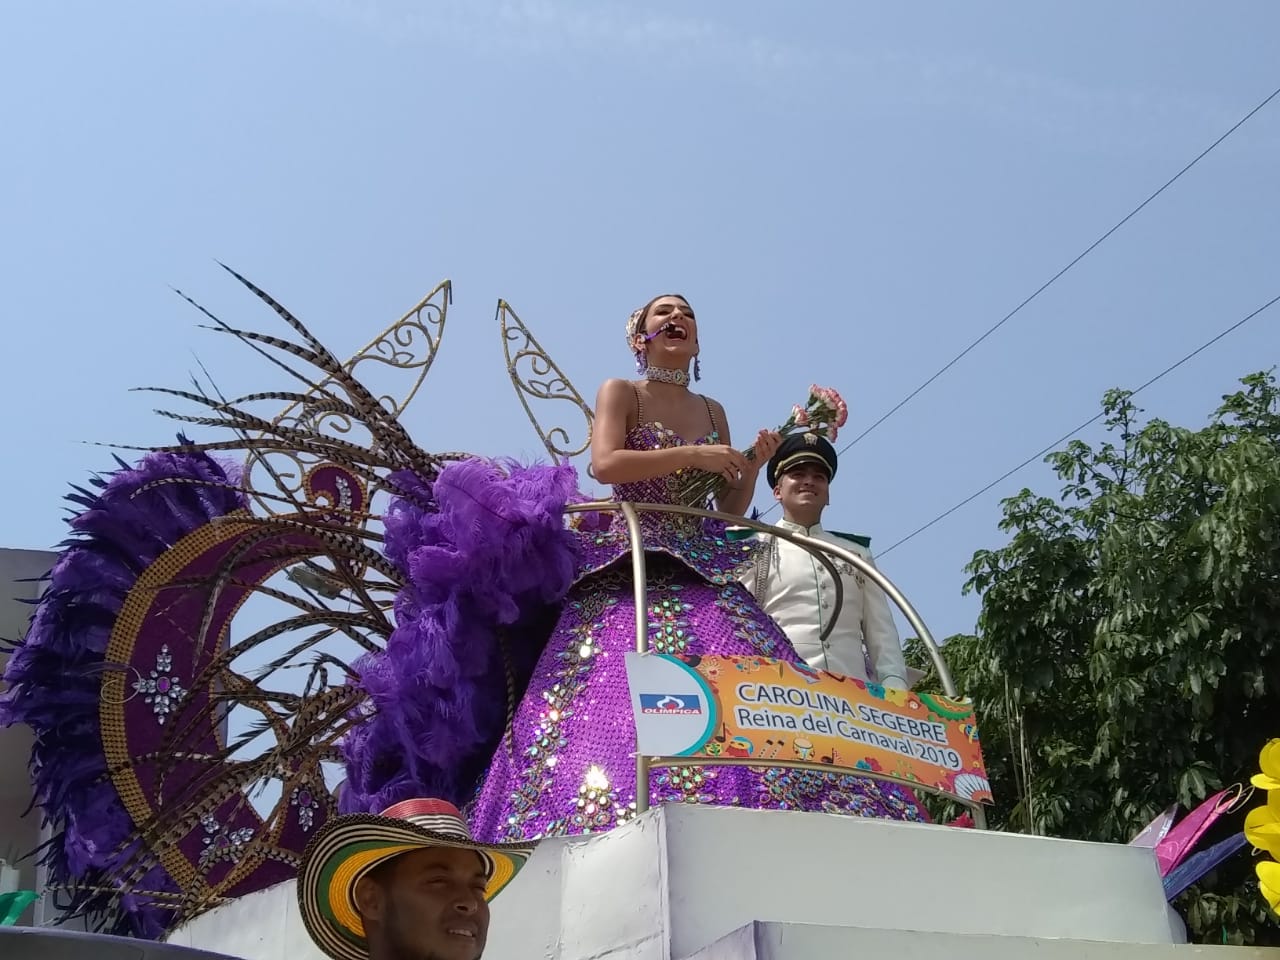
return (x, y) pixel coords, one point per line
(835, 716)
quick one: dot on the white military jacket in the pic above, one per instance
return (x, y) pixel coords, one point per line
(796, 590)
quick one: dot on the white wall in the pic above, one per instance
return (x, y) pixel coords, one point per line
(807, 868)
(18, 835)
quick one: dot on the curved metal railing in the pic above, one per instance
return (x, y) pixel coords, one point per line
(820, 550)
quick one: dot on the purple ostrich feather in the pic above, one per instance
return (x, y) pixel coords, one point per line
(54, 673)
(490, 561)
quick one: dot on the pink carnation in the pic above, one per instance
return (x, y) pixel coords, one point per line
(827, 404)
(800, 415)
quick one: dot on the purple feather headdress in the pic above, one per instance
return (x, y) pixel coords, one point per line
(54, 674)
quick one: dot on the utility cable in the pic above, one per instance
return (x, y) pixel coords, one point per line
(1044, 286)
(1067, 436)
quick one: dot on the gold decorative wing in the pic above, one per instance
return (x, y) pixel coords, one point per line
(393, 365)
(535, 375)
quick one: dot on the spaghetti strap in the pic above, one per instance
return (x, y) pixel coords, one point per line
(715, 427)
(639, 405)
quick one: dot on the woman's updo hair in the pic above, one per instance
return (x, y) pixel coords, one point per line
(635, 324)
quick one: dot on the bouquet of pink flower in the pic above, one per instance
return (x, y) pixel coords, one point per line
(824, 413)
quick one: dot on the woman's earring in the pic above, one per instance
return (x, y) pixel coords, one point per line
(642, 362)
(697, 369)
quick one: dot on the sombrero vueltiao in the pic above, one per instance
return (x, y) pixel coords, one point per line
(348, 847)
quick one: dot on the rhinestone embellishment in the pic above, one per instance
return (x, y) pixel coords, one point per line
(162, 689)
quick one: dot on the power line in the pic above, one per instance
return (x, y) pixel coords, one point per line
(1067, 436)
(1048, 283)
(1044, 286)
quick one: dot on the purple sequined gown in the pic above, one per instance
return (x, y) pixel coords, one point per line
(568, 765)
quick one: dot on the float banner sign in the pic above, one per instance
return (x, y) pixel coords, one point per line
(763, 709)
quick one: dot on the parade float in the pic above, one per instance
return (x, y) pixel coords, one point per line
(311, 614)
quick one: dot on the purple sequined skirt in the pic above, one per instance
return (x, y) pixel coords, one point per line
(567, 765)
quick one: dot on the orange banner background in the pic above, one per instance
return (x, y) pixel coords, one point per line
(769, 709)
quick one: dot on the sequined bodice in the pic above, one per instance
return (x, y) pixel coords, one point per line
(654, 436)
(701, 544)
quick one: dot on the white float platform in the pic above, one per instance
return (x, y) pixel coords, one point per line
(725, 884)
(792, 941)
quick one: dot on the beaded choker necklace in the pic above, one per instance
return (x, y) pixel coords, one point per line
(663, 375)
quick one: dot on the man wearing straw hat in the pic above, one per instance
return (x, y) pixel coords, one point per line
(410, 884)
(795, 588)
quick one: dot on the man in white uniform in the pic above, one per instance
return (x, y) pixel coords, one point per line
(796, 589)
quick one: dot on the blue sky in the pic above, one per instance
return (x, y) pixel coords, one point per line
(848, 193)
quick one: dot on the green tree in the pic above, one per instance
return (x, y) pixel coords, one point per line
(1127, 653)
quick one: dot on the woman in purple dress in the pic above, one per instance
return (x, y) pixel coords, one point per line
(567, 764)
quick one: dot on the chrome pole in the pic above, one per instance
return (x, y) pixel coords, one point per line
(640, 578)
